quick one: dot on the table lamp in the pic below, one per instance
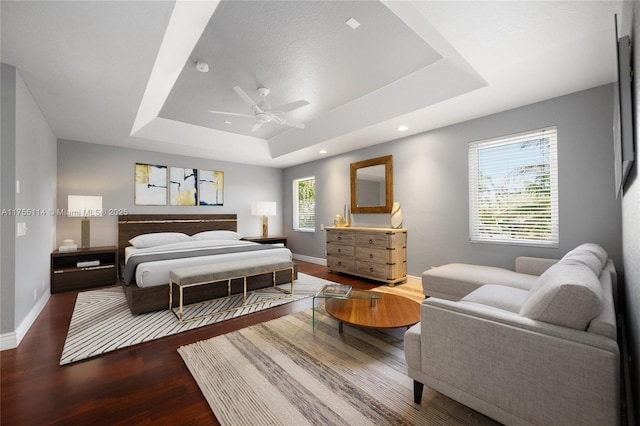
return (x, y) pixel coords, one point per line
(84, 206)
(264, 209)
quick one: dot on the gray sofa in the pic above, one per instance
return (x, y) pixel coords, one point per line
(537, 346)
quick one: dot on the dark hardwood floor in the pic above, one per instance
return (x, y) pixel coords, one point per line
(143, 384)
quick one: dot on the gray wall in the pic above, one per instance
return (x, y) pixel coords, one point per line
(25, 262)
(7, 197)
(631, 221)
(92, 169)
(430, 182)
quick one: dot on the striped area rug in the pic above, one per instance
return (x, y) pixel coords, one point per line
(282, 372)
(102, 322)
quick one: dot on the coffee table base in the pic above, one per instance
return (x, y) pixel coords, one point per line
(389, 311)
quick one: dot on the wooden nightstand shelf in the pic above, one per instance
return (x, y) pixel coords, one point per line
(66, 275)
(271, 239)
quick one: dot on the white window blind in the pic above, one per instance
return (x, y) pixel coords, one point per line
(513, 189)
(304, 204)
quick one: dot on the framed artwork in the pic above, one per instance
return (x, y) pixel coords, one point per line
(210, 188)
(151, 185)
(182, 186)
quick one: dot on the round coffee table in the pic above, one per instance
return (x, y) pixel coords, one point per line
(389, 311)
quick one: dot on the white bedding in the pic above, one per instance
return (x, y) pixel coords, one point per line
(151, 274)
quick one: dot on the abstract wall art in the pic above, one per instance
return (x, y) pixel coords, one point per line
(210, 187)
(151, 185)
(182, 186)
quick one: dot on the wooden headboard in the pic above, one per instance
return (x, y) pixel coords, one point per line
(132, 225)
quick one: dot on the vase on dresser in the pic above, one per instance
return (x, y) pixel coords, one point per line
(396, 215)
(347, 215)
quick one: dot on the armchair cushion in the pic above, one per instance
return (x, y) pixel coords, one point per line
(569, 295)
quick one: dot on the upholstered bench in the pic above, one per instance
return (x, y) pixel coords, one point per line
(225, 272)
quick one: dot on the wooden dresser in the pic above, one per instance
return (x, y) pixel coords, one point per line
(376, 253)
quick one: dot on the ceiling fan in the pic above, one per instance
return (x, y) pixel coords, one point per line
(263, 112)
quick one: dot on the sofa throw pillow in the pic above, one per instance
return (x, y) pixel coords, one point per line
(584, 258)
(565, 294)
(595, 249)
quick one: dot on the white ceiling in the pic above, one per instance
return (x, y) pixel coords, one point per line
(123, 72)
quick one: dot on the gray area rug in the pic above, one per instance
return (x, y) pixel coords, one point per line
(282, 372)
(102, 322)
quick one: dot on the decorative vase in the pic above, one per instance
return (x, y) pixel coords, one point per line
(396, 215)
(347, 215)
(338, 220)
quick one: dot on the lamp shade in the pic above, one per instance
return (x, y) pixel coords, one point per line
(263, 208)
(84, 205)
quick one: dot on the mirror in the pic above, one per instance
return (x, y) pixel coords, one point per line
(372, 185)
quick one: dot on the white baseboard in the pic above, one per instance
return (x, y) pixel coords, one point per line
(12, 340)
(310, 259)
(412, 279)
(8, 341)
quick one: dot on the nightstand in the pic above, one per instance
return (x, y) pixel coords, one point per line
(83, 268)
(271, 239)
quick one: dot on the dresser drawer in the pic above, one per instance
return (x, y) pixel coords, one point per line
(374, 270)
(376, 255)
(340, 237)
(340, 250)
(377, 239)
(340, 264)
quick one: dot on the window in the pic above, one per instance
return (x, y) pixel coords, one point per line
(513, 189)
(304, 204)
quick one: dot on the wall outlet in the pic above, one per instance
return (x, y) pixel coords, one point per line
(35, 294)
(322, 226)
(21, 229)
(17, 186)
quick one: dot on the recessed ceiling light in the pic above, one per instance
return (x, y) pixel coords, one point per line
(202, 66)
(228, 122)
(403, 128)
(353, 23)
(323, 151)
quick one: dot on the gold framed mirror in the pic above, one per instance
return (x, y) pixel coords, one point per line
(372, 185)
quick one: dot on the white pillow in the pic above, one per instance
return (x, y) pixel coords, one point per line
(217, 235)
(158, 239)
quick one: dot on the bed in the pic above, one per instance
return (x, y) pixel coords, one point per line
(166, 242)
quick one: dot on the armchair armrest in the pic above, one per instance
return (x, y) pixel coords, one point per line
(533, 265)
(514, 368)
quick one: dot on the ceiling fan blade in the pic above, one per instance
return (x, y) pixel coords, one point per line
(247, 100)
(290, 106)
(256, 126)
(232, 113)
(289, 123)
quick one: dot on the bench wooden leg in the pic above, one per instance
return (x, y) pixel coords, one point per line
(244, 294)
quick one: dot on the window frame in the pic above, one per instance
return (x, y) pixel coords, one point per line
(296, 205)
(529, 222)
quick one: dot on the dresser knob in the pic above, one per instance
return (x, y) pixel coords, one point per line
(371, 256)
(370, 269)
(339, 250)
(370, 241)
(339, 263)
(339, 238)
